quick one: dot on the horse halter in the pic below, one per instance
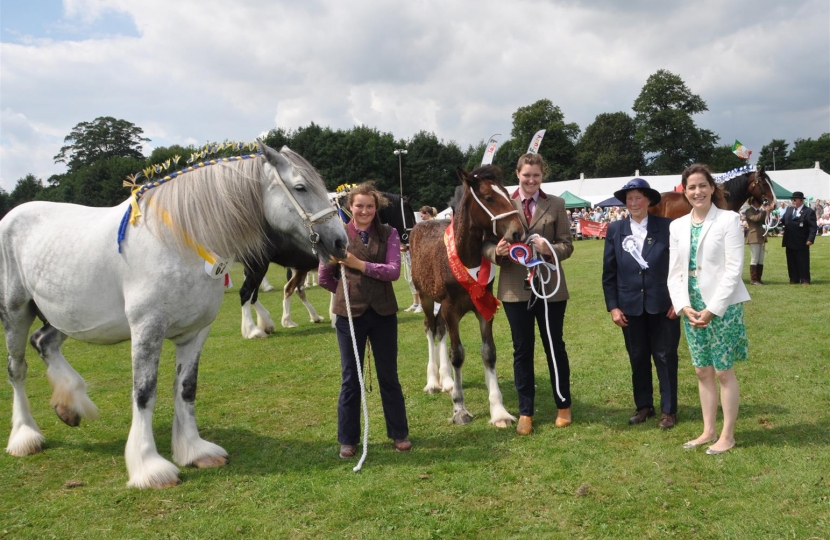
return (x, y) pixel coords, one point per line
(493, 218)
(757, 181)
(309, 219)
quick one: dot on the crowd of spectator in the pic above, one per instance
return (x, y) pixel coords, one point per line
(821, 207)
(596, 214)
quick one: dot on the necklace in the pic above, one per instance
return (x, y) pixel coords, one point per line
(696, 222)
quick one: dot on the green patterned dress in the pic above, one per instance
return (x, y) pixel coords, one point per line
(723, 342)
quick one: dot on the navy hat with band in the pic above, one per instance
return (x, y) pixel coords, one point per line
(640, 184)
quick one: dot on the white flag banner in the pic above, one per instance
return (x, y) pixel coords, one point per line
(536, 142)
(491, 150)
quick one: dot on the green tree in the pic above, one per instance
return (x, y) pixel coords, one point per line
(774, 155)
(609, 148)
(105, 137)
(27, 189)
(723, 159)
(429, 170)
(5, 203)
(665, 129)
(558, 147)
(807, 151)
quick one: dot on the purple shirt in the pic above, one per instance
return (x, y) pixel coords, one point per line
(390, 270)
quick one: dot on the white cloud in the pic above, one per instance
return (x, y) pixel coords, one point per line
(210, 70)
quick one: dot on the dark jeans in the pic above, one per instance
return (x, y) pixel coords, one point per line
(382, 332)
(798, 265)
(656, 336)
(523, 322)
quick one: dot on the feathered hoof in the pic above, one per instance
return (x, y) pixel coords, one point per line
(462, 417)
(256, 333)
(289, 324)
(448, 386)
(267, 288)
(504, 423)
(432, 388)
(25, 441)
(157, 473)
(317, 319)
(268, 329)
(68, 416)
(208, 462)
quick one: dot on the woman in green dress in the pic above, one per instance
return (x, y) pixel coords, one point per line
(705, 266)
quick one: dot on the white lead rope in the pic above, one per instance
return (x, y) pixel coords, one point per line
(359, 373)
(549, 268)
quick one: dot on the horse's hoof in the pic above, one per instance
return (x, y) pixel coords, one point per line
(209, 462)
(68, 416)
(167, 485)
(317, 320)
(432, 389)
(269, 329)
(462, 417)
(502, 423)
(256, 334)
(289, 324)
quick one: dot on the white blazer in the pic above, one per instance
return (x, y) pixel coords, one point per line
(720, 261)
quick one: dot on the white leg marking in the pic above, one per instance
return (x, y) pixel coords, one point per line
(499, 416)
(263, 318)
(265, 286)
(146, 468)
(25, 437)
(433, 386)
(286, 314)
(69, 388)
(249, 328)
(445, 369)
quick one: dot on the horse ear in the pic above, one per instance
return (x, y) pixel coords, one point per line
(762, 170)
(466, 178)
(276, 159)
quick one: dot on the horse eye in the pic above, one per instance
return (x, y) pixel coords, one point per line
(299, 187)
(488, 199)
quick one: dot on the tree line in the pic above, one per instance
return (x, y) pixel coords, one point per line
(661, 138)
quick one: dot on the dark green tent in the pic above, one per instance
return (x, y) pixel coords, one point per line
(780, 191)
(572, 201)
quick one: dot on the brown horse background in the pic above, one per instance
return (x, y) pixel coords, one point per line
(484, 210)
(755, 185)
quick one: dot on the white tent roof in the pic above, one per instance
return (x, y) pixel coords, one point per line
(813, 182)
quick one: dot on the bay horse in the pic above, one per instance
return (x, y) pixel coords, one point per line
(300, 264)
(484, 211)
(99, 276)
(739, 185)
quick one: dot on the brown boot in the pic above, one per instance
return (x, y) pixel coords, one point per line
(563, 417)
(760, 274)
(753, 274)
(525, 425)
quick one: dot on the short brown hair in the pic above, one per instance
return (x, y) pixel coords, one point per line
(532, 159)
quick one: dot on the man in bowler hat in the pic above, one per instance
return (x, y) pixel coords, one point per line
(800, 230)
(635, 269)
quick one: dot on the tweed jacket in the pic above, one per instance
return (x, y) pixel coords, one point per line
(799, 230)
(755, 220)
(720, 261)
(627, 286)
(549, 221)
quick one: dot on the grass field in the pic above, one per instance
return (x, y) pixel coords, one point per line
(272, 404)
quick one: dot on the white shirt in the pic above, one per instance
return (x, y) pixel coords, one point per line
(639, 231)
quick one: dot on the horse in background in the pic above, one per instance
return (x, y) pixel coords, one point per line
(59, 262)
(484, 211)
(738, 186)
(299, 265)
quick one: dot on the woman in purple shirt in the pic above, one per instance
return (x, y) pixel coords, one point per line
(372, 263)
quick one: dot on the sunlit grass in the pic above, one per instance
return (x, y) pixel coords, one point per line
(272, 405)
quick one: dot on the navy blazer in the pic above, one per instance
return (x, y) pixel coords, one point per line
(626, 285)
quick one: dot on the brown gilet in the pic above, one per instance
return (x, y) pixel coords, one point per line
(366, 292)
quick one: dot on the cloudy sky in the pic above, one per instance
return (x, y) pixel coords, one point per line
(190, 71)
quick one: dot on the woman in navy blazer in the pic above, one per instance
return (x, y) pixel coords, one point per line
(705, 267)
(635, 269)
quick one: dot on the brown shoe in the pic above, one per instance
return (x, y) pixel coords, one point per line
(641, 415)
(667, 421)
(403, 445)
(347, 451)
(525, 425)
(563, 418)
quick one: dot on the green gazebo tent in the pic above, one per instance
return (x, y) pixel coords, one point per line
(572, 201)
(780, 191)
